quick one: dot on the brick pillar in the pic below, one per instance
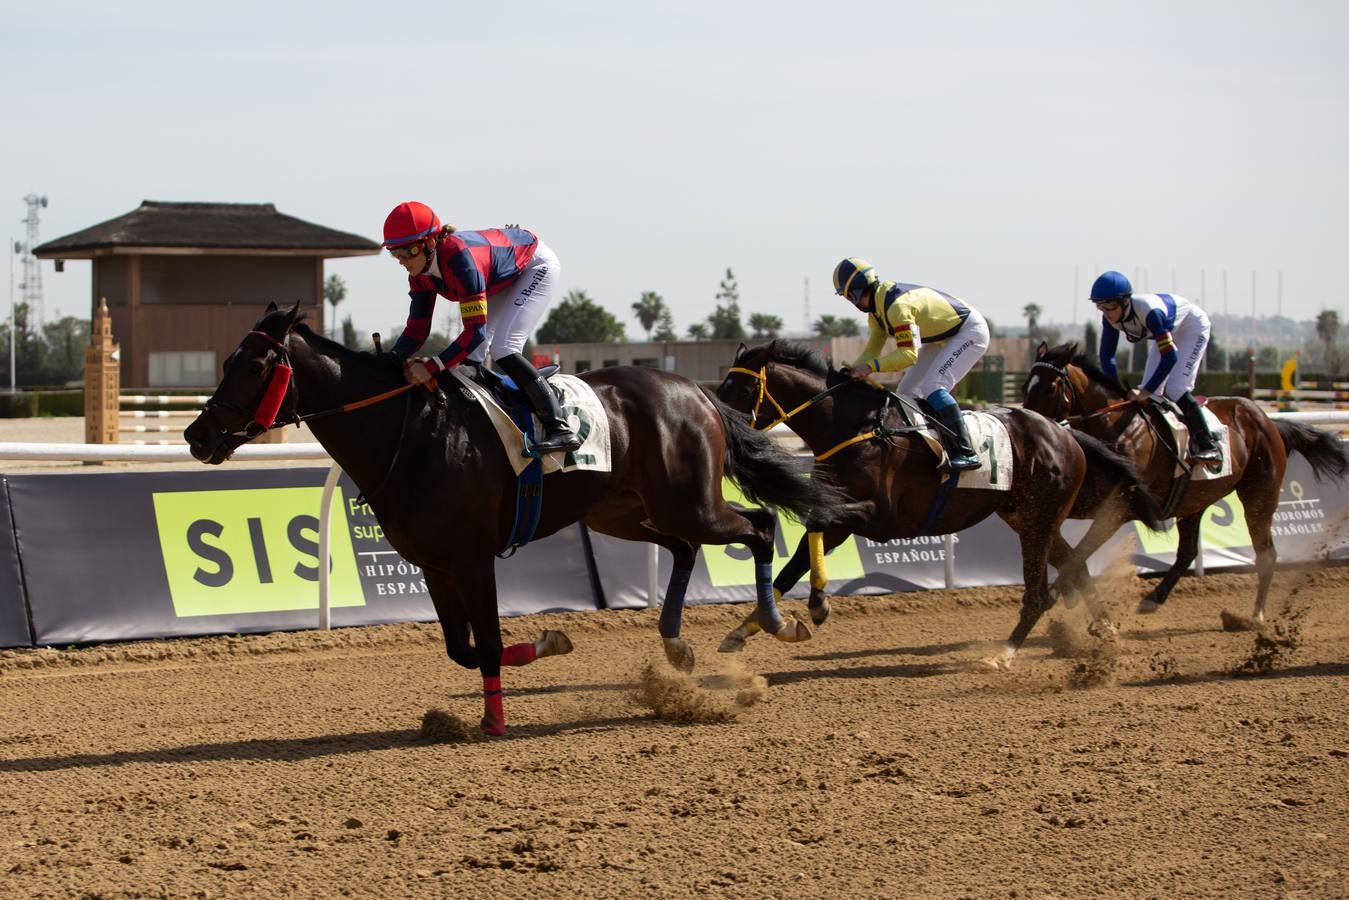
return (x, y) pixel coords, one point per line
(102, 380)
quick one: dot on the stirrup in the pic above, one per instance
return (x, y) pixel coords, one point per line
(564, 439)
(962, 463)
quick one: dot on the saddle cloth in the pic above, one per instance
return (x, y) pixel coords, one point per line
(580, 406)
(1181, 434)
(992, 445)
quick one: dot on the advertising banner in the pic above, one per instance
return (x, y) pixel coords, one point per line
(141, 555)
(13, 609)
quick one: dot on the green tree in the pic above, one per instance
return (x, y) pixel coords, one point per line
(698, 331)
(1032, 312)
(650, 311)
(64, 342)
(665, 329)
(1327, 330)
(579, 320)
(349, 338)
(765, 326)
(725, 322)
(833, 326)
(334, 291)
(1091, 341)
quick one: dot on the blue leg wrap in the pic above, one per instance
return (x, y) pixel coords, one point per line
(769, 619)
(672, 612)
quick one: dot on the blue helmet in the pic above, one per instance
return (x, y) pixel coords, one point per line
(852, 274)
(1111, 286)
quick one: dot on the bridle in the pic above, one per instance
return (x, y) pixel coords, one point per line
(1069, 394)
(761, 376)
(263, 416)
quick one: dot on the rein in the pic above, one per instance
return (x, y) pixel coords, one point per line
(761, 376)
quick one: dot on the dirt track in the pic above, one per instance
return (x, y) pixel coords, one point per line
(881, 761)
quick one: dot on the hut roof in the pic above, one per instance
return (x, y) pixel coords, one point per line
(242, 228)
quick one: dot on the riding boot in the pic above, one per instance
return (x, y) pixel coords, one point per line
(1202, 444)
(557, 433)
(954, 436)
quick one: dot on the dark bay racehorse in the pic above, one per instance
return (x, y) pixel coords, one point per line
(435, 473)
(1064, 385)
(892, 481)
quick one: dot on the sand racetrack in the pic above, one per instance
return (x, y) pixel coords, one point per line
(881, 760)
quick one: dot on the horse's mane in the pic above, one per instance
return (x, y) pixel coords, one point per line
(1094, 374)
(795, 353)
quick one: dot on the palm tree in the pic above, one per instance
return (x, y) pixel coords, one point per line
(698, 331)
(765, 326)
(334, 291)
(649, 310)
(833, 326)
(1032, 312)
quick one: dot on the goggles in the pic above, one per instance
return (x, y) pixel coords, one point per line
(407, 251)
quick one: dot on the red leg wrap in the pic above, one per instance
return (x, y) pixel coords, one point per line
(494, 717)
(519, 655)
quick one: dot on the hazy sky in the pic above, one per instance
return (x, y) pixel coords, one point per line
(992, 150)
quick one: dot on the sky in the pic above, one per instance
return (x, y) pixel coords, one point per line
(1004, 153)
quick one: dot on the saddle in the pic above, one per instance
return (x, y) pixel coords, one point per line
(503, 389)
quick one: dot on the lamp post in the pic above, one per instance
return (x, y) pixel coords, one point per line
(15, 245)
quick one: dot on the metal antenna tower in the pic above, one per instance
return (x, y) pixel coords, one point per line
(30, 289)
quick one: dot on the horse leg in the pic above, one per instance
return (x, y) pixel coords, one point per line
(677, 650)
(453, 619)
(813, 546)
(1260, 502)
(1035, 600)
(1187, 548)
(477, 584)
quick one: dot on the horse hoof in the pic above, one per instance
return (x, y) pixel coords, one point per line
(793, 631)
(553, 643)
(680, 654)
(732, 643)
(1147, 606)
(493, 727)
(819, 607)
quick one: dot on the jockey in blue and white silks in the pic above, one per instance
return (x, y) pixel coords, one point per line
(1178, 334)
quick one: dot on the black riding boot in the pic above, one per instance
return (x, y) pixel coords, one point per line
(956, 439)
(1202, 445)
(558, 435)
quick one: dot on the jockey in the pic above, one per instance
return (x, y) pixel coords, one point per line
(503, 280)
(1178, 331)
(938, 339)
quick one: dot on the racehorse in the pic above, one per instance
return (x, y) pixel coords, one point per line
(1065, 386)
(891, 478)
(436, 475)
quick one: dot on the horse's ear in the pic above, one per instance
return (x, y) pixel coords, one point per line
(740, 351)
(1073, 349)
(271, 307)
(292, 316)
(1042, 350)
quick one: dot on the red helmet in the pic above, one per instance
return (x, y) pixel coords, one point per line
(410, 221)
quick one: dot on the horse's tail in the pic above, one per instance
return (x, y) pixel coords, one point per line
(1118, 469)
(767, 474)
(1323, 450)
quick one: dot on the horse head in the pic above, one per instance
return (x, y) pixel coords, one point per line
(783, 367)
(256, 383)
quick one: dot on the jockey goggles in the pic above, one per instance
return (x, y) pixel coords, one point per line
(407, 251)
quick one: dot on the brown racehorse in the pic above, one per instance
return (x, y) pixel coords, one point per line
(894, 487)
(438, 479)
(1064, 385)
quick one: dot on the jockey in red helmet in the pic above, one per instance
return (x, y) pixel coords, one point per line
(503, 280)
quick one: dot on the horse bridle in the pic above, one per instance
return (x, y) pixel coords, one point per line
(263, 416)
(761, 376)
(1062, 372)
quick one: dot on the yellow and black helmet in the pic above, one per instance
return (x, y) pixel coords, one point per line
(853, 274)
